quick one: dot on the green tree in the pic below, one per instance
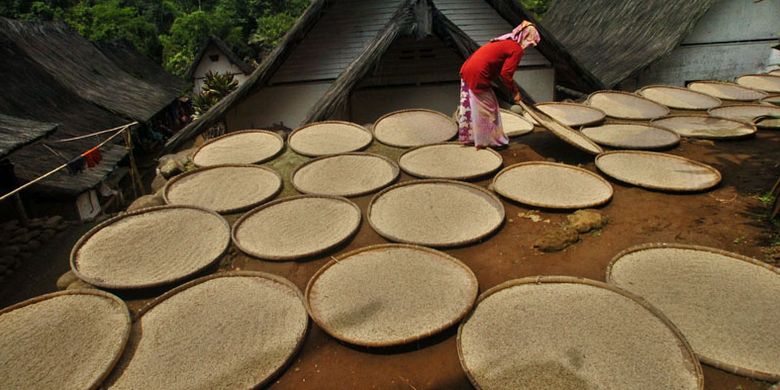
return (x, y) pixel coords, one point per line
(109, 20)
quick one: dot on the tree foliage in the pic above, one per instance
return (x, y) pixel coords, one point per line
(170, 31)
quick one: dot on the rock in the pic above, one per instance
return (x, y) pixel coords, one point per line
(20, 232)
(66, 280)
(33, 245)
(8, 261)
(10, 250)
(35, 223)
(31, 235)
(3, 268)
(586, 220)
(47, 234)
(79, 284)
(158, 183)
(62, 226)
(145, 201)
(53, 222)
(556, 240)
(10, 225)
(171, 168)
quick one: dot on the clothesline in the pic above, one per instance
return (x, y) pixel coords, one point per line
(121, 129)
(58, 141)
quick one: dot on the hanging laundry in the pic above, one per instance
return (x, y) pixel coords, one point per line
(76, 165)
(92, 157)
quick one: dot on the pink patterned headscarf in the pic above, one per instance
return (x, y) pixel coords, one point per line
(525, 35)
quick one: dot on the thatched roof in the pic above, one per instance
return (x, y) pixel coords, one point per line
(78, 65)
(401, 22)
(224, 48)
(52, 74)
(141, 67)
(16, 133)
(615, 39)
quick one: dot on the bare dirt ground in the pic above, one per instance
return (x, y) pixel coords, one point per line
(731, 217)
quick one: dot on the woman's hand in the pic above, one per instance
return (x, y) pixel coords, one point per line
(517, 98)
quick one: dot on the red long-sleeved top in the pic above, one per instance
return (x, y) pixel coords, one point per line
(494, 59)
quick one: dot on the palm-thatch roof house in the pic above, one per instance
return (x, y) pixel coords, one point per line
(216, 56)
(359, 59)
(639, 43)
(54, 75)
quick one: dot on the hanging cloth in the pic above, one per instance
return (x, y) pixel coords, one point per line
(92, 157)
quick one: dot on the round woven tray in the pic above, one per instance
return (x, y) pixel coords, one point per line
(449, 161)
(228, 330)
(679, 98)
(150, 247)
(239, 147)
(225, 189)
(348, 174)
(761, 82)
(63, 340)
(296, 227)
(393, 294)
(750, 113)
(625, 105)
(773, 99)
(726, 91)
(329, 137)
(627, 135)
(437, 213)
(572, 114)
(514, 124)
(552, 185)
(407, 128)
(658, 171)
(705, 126)
(724, 303)
(561, 332)
(565, 133)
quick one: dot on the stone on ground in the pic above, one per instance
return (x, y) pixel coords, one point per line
(79, 284)
(586, 220)
(145, 201)
(66, 280)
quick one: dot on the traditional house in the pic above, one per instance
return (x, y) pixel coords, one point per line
(359, 59)
(629, 44)
(215, 56)
(54, 75)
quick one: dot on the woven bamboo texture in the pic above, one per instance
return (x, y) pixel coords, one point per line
(329, 137)
(627, 135)
(562, 332)
(572, 114)
(348, 174)
(64, 340)
(408, 128)
(225, 189)
(726, 91)
(392, 294)
(514, 124)
(658, 171)
(705, 126)
(449, 161)
(753, 113)
(228, 330)
(239, 147)
(437, 213)
(678, 97)
(296, 227)
(724, 303)
(625, 105)
(761, 82)
(552, 185)
(565, 133)
(150, 247)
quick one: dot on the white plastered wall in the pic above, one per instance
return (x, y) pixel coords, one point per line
(276, 105)
(222, 65)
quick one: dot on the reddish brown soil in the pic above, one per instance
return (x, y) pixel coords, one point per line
(729, 217)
